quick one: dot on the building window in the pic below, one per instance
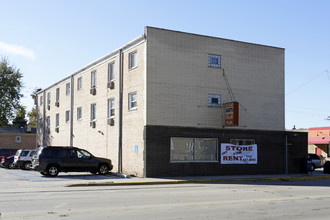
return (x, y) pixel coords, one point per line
(48, 122)
(93, 79)
(67, 91)
(67, 116)
(93, 112)
(18, 139)
(41, 124)
(214, 100)
(79, 83)
(57, 123)
(111, 108)
(48, 99)
(57, 95)
(242, 141)
(79, 113)
(194, 149)
(133, 60)
(214, 60)
(132, 102)
(41, 100)
(111, 71)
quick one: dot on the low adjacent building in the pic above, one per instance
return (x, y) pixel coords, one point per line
(17, 138)
(175, 104)
(319, 140)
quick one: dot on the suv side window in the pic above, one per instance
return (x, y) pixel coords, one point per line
(83, 154)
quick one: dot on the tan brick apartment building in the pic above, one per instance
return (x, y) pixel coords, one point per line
(158, 106)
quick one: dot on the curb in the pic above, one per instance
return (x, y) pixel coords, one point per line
(199, 181)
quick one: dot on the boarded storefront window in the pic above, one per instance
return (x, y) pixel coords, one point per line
(194, 150)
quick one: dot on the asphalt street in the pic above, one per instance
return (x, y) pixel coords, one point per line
(28, 195)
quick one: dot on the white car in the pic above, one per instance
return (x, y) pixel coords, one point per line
(23, 158)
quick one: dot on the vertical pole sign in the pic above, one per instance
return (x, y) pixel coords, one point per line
(231, 113)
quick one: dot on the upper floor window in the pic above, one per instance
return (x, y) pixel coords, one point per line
(214, 100)
(214, 60)
(93, 112)
(48, 98)
(111, 107)
(67, 116)
(57, 122)
(93, 79)
(41, 100)
(79, 83)
(68, 88)
(79, 113)
(133, 60)
(57, 94)
(132, 102)
(111, 71)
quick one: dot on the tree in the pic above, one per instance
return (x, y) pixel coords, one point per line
(33, 117)
(20, 120)
(10, 91)
(33, 113)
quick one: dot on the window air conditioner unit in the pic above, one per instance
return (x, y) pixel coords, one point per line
(57, 130)
(93, 124)
(93, 91)
(48, 107)
(57, 104)
(111, 85)
(111, 121)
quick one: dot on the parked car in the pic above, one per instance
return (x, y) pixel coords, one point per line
(7, 152)
(50, 161)
(23, 158)
(318, 161)
(8, 162)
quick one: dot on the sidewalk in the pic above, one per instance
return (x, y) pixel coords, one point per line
(122, 180)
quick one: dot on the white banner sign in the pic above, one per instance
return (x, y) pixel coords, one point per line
(239, 154)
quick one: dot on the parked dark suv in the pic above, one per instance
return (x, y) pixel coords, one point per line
(49, 161)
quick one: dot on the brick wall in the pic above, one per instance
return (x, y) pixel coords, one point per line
(271, 152)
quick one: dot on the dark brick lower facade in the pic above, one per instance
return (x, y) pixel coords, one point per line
(272, 152)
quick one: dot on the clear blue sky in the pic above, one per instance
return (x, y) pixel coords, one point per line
(49, 40)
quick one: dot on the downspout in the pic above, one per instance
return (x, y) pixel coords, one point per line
(71, 112)
(120, 116)
(44, 120)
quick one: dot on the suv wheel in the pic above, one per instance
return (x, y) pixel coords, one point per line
(27, 166)
(11, 166)
(52, 171)
(103, 169)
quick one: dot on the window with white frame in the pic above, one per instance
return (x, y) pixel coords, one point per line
(48, 99)
(57, 95)
(194, 149)
(67, 116)
(68, 88)
(79, 83)
(132, 101)
(93, 112)
(79, 113)
(41, 124)
(111, 71)
(57, 122)
(41, 100)
(133, 60)
(111, 108)
(214, 100)
(93, 79)
(214, 60)
(48, 122)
